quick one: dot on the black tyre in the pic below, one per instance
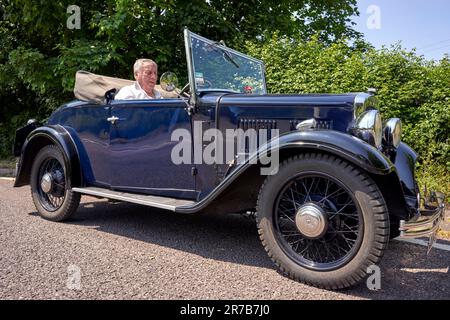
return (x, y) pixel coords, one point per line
(50, 186)
(322, 221)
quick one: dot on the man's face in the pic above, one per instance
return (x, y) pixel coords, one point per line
(147, 76)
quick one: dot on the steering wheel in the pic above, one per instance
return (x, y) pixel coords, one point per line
(208, 84)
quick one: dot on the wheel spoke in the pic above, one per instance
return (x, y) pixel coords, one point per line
(318, 256)
(288, 218)
(290, 233)
(348, 242)
(341, 213)
(327, 188)
(335, 194)
(307, 196)
(327, 248)
(297, 243)
(299, 194)
(310, 189)
(306, 248)
(286, 202)
(350, 229)
(287, 213)
(293, 199)
(52, 201)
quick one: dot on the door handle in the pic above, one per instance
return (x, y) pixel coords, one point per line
(113, 119)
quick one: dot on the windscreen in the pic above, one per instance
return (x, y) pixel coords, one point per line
(217, 67)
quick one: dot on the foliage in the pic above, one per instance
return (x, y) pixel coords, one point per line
(39, 56)
(408, 87)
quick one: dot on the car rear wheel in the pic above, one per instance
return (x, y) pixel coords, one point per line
(50, 186)
(322, 221)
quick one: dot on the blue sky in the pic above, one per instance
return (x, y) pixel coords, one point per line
(420, 24)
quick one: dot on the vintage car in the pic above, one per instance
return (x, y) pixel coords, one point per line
(328, 181)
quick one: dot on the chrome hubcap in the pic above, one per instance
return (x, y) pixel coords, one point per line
(47, 183)
(311, 221)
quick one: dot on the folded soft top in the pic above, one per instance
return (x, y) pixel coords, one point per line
(92, 87)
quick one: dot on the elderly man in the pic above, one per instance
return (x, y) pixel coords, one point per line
(146, 74)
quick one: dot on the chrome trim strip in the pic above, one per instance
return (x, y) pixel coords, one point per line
(153, 189)
(190, 63)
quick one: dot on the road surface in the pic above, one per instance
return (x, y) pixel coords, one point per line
(125, 251)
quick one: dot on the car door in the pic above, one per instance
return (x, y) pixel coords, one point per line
(89, 128)
(140, 148)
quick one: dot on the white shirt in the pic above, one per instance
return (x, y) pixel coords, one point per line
(135, 92)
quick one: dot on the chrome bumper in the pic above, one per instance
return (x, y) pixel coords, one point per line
(429, 221)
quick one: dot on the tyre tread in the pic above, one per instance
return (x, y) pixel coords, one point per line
(381, 215)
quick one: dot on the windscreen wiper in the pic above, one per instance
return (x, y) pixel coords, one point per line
(226, 55)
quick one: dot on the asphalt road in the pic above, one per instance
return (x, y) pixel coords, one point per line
(126, 251)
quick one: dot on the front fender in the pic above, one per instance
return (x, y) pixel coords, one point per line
(36, 140)
(340, 144)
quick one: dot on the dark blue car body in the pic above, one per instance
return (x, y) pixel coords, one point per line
(134, 154)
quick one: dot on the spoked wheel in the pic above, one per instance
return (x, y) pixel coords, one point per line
(50, 186)
(318, 222)
(322, 221)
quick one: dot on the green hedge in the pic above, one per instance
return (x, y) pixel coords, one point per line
(409, 87)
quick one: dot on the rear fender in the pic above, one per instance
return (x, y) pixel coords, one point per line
(41, 137)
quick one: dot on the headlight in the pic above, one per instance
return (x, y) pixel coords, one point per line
(392, 133)
(369, 128)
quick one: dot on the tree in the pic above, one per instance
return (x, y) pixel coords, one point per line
(39, 55)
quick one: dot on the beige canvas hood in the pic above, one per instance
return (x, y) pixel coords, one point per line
(92, 87)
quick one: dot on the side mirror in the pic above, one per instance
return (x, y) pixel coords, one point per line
(168, 81)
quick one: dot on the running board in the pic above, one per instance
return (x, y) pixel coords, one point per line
(146, 200)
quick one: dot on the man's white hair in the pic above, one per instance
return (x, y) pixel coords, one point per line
(139, 62)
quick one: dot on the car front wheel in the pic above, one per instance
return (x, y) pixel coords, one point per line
(50, 186)
(322, 221)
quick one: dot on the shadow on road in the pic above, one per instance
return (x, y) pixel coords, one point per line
(407, 272)
(229, 238)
